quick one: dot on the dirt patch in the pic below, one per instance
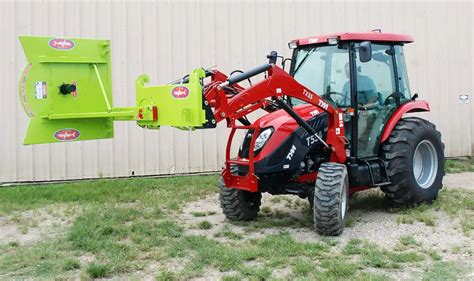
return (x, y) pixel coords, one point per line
(191, 217)
(292, 215)
(459, 180)
(278, 211)
(35, 225)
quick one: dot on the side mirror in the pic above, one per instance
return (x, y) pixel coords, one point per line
(365, 51)
(272, 57)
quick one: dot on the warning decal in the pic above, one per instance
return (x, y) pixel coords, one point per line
(40, 90)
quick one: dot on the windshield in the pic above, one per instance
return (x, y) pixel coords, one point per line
(325, 71)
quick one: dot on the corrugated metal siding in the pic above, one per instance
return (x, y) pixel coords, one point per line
(167, 39)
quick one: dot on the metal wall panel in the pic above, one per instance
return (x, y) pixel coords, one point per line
(167, 39)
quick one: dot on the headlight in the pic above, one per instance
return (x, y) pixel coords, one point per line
(262, 138)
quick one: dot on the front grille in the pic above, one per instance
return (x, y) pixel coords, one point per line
(244, 148)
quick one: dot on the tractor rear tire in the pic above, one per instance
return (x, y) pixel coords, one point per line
(414, 156)
(239, 205)
(331, 194)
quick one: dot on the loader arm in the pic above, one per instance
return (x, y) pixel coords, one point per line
(275, 86)
(231, 102)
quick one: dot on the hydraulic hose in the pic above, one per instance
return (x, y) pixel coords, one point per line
(246, 75)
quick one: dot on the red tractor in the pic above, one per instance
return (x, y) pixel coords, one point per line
(333, 124)
(334, 127)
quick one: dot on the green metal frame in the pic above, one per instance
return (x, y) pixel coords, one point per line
(88, 112)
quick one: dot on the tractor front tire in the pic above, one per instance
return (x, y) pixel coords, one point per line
(331, 194)
(239, 205)
(414, 156)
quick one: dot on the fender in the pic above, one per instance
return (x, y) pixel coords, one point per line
(411, 106)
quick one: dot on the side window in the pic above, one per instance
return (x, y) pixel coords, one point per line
(375, 78)
(402, 72)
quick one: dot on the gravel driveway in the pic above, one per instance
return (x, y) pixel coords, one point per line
(460, 180)
(375, 224)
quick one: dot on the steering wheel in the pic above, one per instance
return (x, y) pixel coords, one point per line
(391, 98)
(328, 96)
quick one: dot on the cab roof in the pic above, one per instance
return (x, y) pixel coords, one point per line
(356, 36)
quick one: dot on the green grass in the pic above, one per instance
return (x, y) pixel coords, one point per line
(119, 222)
(204, 225)
(434, 255)
(459, 165)
(278, 219)
(271, 252)
(163, 192)
(123, 226)
(338, 269)
(302, 267)
(203, 214)
(352, 219)
(71, 264)
(227, 232)
(372, 255)
(408, 240)
(166, 275)
(232, 277)
(442, 270)
(369, 276)
(256, 272)
(458, 203)
(353, 247)
(96, 270)
(266, 209)
(44, 259)
(455, 202)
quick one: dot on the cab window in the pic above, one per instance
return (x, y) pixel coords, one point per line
(321, 69)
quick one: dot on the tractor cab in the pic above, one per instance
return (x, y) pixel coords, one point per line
(362, 74)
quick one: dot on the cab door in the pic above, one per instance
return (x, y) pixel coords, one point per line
(376, 92)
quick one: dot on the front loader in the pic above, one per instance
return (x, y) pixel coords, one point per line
(334, 124)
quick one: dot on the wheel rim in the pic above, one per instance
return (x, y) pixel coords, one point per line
(425, 164)
(343, 202)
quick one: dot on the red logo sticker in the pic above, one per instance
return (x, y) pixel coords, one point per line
(67, 134)
(61, 44)
(180, 92)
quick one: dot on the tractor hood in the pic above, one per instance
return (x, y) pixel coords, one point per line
(289, 143)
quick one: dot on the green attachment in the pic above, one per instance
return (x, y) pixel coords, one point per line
(179, 105)
(64, 82)
(66, 90)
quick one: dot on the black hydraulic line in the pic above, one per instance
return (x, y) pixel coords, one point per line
(247, 74)
(298, 119)
(244, 121)
(185, 79)
(295, 116)
(240, 71)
